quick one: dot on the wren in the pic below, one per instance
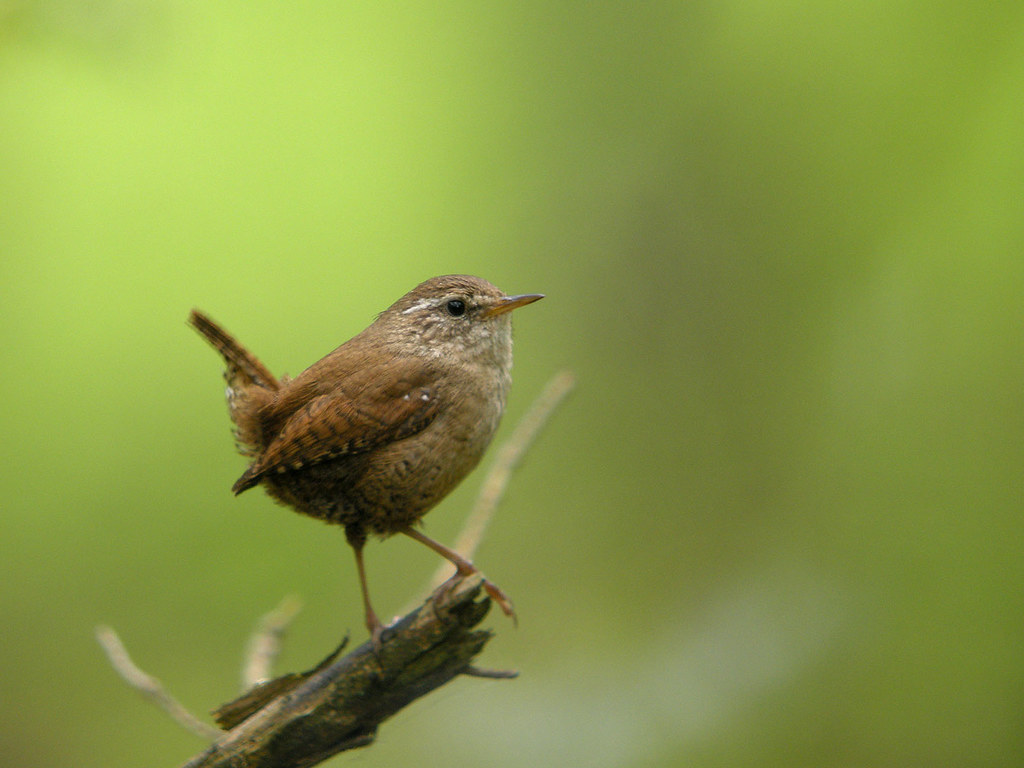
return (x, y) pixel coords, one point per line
(376, 433)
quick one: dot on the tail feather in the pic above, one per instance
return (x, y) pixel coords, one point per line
(249, 479)
(241, 362)
(251, 387)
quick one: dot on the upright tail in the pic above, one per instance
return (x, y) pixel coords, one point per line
(251, 387)
(243, 367)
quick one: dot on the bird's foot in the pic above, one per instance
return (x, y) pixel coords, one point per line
(376, 628)
(376, 635)
(504, 602)
(493, 590)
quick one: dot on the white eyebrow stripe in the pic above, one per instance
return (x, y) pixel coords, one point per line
(421, 304)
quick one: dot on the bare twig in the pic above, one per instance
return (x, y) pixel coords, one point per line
(498, 477)
(265, 643)
(149, 686)
(490, 674)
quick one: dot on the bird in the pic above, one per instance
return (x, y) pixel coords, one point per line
(376, 433)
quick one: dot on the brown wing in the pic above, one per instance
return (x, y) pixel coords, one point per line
(355, 417)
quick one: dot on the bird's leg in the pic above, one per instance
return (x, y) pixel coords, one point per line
(358, 539)
(464, 568)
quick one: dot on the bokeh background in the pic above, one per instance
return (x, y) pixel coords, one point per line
(777, 524)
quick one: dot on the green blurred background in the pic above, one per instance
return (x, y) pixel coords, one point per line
(777, 524)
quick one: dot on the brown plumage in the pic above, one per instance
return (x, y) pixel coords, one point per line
(372, 436)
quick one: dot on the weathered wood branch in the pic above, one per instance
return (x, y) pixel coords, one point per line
(307, 718)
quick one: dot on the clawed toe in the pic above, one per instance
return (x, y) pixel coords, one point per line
(493, 591)
(503, 601)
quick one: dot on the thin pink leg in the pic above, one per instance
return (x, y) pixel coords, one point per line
(465, 568)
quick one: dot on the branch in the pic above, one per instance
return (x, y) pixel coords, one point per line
(300, 720)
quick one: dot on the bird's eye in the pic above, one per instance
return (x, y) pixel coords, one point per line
(456, 307)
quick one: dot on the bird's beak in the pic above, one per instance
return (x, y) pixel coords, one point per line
(508, 303)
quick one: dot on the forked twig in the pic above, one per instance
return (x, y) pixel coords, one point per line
(303, 718)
